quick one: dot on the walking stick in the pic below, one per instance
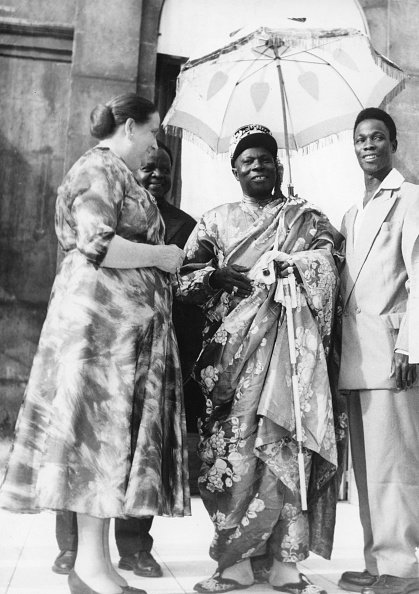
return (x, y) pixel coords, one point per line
(290, 298)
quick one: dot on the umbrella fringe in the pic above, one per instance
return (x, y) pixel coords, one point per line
(173, 130)
(323, 142)
(387, 66)
(390, 96)
(194, 139)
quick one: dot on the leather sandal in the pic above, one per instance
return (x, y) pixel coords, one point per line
(304, 586)
(217, 584)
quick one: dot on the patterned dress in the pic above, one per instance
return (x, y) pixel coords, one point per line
(101, 429)
(249, 479)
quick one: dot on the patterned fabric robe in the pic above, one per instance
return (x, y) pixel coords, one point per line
(249, 479)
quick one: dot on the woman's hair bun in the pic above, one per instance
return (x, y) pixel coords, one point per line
(106, 117)
(102, 121)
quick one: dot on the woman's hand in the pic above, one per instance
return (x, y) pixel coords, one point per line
(124, 254)
(169, 257)
(286, 268)
(232, 279)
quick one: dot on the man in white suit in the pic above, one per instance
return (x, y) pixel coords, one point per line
(383, 396)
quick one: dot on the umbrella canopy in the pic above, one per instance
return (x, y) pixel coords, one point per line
(304, 85)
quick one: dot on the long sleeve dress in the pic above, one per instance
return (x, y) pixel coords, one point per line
(101, 429)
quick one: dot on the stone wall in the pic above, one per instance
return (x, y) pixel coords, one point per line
(105, 63)
(35, 61)
(394, 32)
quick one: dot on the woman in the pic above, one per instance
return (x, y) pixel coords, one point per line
(101, 428)
(235, 260)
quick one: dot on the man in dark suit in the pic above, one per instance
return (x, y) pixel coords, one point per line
(132, 535)
(155, 174)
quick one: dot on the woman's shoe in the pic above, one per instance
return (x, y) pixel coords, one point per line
(77, 586)
(64, 563)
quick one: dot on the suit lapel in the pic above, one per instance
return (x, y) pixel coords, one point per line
(358, 251)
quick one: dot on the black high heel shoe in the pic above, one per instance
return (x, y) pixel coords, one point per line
(77, 586)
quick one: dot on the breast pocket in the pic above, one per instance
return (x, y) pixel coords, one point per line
(388, 242)
(386, 227)
(391, 227)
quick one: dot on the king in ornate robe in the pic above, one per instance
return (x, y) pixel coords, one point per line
(249, 479)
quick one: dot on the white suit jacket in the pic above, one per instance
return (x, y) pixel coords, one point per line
(380, 265)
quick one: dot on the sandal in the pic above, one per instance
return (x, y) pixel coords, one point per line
(304, 586)
(216, 583)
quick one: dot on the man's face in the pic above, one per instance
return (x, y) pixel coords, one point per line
(373, 148)
(256, 172)
(155, 173)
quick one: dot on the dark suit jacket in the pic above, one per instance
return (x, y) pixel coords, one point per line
(179, 224)
(187, 318)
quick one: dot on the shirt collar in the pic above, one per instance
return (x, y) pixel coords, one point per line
(392, 181)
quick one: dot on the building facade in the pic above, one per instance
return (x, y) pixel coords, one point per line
(59, 58)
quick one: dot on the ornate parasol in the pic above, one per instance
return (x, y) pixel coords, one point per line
(305, 85)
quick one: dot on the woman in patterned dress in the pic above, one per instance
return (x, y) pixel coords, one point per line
(101, 428)
(249, 482)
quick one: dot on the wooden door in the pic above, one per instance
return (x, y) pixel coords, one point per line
(34, 94)
(35, 64)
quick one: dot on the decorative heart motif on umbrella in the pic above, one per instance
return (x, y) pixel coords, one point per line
(259, 92)
(216, 84)
(310, 83)
(345, 59)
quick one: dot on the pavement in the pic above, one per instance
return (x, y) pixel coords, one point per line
(28, 549)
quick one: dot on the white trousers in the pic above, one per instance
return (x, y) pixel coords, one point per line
(384, 430)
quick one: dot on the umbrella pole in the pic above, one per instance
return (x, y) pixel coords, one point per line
(290, 302)
(284, 118)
